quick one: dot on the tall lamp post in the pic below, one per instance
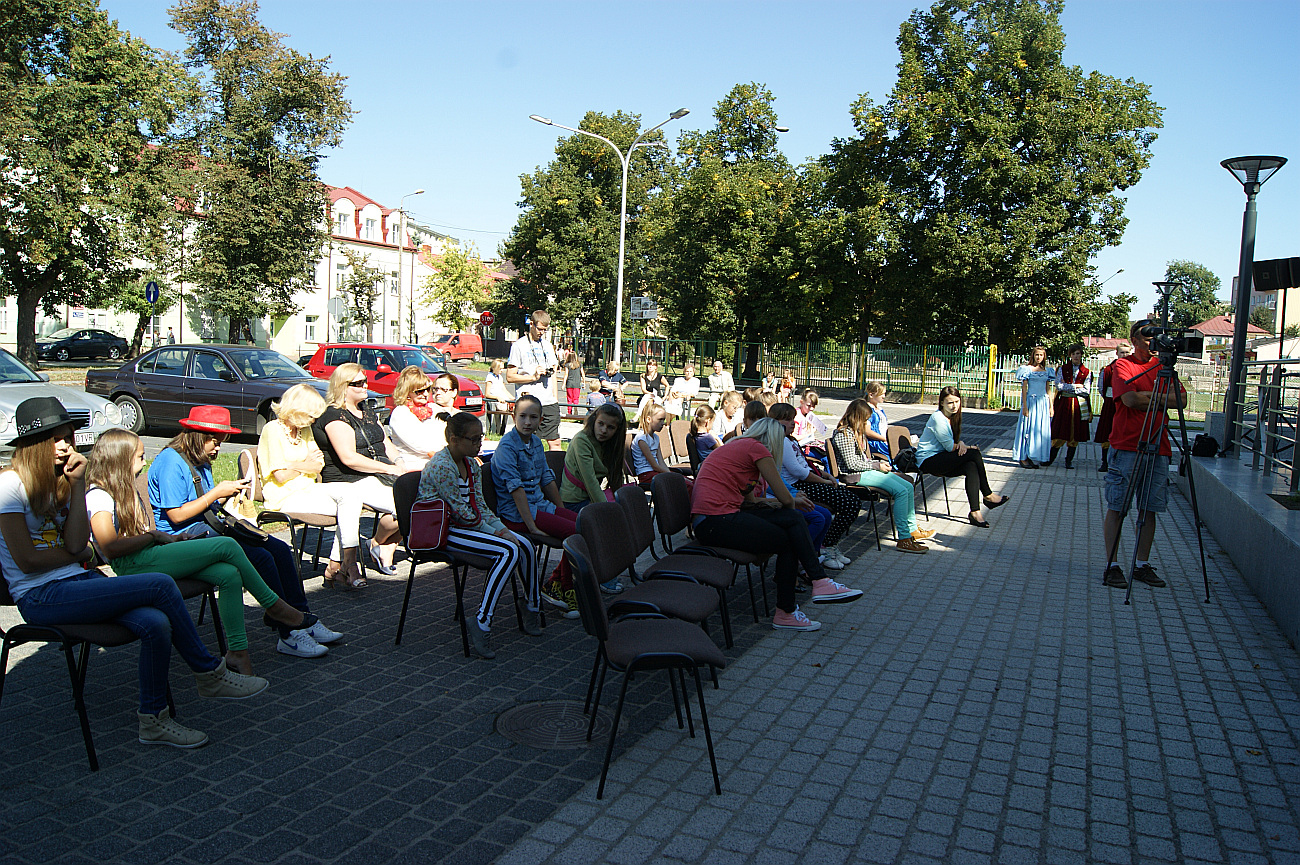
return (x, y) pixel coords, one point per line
(1166, 291)
(401, 245)
(625, 158)
(1252, 172)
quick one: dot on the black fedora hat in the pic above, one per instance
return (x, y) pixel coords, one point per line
(37, 418)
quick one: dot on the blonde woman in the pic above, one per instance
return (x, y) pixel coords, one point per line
(357, 452)
(290, 463)
(419, 425)
(119, 526)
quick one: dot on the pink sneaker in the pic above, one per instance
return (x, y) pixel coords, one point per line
(796, 621)
(828, 591)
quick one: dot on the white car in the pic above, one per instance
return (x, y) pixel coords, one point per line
(19, 382)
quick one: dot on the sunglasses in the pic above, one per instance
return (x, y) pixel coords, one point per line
(361, 382)
(422, 390)
(445, 389)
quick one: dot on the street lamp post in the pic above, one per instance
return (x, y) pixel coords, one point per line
(626, 159)
(401, 245)
(1166, 291)
(1252, 172)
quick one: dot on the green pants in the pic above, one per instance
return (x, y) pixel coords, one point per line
(219, 561)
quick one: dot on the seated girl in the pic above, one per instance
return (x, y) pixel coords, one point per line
(595, 455)
(290, 463)
(942, 453)
(853, 453)
(646, 459)
(528, 495)
(181, 488)
(702, 431)
(727, 421)
(45, 549)
(120, 529)
(454, 476)
(416, 423)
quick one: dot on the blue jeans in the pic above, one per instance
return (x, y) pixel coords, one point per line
(275, 563)
(149, 605)
(819, 521)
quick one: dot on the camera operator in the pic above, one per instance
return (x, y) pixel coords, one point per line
(1133, 381)
(531, 368)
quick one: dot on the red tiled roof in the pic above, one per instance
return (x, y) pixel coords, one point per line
(1103, 343)
(357, 198)
(1221, 325)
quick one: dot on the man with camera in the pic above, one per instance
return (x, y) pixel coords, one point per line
(531, 368)
(1133, 382)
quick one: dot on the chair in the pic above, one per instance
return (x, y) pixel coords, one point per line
(707, 569)
(106, 634)
(899, 437)
(540, 540)
(672, 512)
(693, 453)
(555, 462)
(405, 492)
(639, 642)
(190, 587)
(678, 430)
(869, 495)
(300, 521)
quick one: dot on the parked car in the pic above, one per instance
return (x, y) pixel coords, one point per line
(20, 382)
(87, 342)
(160, 387)
(383, 363)
(460, 346)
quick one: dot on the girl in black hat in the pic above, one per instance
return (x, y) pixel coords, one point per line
(44, 551)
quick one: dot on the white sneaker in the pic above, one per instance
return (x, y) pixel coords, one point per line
(844, 560)
(301, 645)
(831, 563)
(322, 634)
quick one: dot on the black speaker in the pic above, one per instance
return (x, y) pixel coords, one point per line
(1276, 274)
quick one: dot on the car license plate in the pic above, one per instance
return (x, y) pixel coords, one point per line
(473, 400)
(85, 438)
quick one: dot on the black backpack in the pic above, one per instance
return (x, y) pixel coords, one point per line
(1204, 446)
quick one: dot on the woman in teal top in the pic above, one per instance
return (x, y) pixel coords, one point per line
(942, 453)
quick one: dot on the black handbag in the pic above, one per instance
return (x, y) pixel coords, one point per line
(374, 454)
(223, 522)
(905, 460)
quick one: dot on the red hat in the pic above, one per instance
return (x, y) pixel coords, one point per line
(209, 419)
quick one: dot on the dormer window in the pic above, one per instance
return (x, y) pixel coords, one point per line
(370, 229)
(341, 223)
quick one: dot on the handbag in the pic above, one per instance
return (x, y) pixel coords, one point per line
(573, 479)
(386, 479)
(905, 460)
(430, 520)
(222, 521)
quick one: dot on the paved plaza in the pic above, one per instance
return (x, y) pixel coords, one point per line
(990, 701)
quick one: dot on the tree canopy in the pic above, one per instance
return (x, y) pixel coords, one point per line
(459, 287)
(1197, 298)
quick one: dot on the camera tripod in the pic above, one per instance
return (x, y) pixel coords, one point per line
(1143, 474)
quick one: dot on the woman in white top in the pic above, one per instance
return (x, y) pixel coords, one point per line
(685, 388)
(418, 424)
(496, 396)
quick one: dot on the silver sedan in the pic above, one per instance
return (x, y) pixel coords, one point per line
(20, 382)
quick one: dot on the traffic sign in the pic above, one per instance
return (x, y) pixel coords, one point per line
(151, 292)
(486, 319)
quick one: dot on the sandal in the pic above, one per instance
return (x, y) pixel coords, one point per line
(372, 550)
(983, 524)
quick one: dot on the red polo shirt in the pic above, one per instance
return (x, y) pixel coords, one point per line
(1127, 426)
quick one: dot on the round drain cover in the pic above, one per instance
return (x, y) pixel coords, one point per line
(552, 725)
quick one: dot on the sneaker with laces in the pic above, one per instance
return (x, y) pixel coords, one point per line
(300, 644)
(613, 587)
(833, 554)
(830, 563)
(1114, 578)
(922, 534)
(796, 621)
(828, 591)
(322, 634)
(161, 729)
(479, 640)
(1147, 574)
(571, 602)
(226, 684)
(907, 545)
(554, 595)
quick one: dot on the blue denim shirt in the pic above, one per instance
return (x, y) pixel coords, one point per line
(515, 464)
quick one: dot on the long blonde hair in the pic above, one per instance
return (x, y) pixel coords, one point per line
(34, 465)
(110, 468)
(338, 388)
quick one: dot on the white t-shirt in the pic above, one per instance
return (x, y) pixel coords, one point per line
(682, 389)
(46, 533)
(723, 424)
(529, 358)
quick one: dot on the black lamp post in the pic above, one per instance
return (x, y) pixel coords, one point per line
(1252, 172)
(1166, 290)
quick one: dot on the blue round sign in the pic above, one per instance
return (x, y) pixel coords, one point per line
(151, 292)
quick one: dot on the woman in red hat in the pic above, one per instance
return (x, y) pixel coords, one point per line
(181, 488)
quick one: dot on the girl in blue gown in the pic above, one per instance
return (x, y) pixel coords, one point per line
(1034, 428)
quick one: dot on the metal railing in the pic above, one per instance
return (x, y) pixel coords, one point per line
(1268, 416)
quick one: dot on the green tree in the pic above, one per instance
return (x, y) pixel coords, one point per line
(83, 108)
(1262, 316)
(360, 291)
(1197, 298)
(1111, 316)
(1003, 166)
(267, 114)
(565, 242)
(459, 286)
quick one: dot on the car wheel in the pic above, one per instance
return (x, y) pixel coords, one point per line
(478, 357)
(62, 354)
(132, 413)
(115, 353)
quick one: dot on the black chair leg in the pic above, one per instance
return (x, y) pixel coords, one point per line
(595, 705)
(591, 685)
(459, 578)
(690, 723)
(725, 615)
(677, 705)
(708, 736)
(749, 578)
(217, 627)
(762, 584)
(406, 602)
(613, 732)
(77, 673)
(203, 605)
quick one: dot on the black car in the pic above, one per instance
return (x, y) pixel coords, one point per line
(160, 387)
(87, 342)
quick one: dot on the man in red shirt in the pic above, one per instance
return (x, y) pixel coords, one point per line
(1133, 380)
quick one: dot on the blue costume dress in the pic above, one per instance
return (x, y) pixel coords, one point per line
(1034, 428)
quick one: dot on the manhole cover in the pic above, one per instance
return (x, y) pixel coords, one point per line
(552, 725)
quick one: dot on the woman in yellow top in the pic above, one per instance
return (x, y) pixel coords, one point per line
(290, 463)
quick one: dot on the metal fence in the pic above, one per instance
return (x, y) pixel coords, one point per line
(1269, 415)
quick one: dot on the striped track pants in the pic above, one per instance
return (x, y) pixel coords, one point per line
(506, 557)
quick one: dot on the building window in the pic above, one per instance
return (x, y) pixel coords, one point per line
(340, 274)
(370, 229)
(394, 287)
(310, 334)
(396, 333)
(341, 223)
(4, 319)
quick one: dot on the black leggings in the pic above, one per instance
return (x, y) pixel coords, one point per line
(782, 531)
(948, 464)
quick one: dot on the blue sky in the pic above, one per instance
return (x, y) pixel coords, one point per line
(443, 92)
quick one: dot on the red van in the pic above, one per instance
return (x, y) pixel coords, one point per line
(460, 346)
(384, 363)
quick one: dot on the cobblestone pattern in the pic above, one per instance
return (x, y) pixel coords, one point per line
(988, 702)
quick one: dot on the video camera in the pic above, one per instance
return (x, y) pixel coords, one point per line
(1167, 341)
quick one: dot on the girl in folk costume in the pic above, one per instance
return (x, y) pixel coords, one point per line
(1070, 419)
(1034, 427)
(1107, 415)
